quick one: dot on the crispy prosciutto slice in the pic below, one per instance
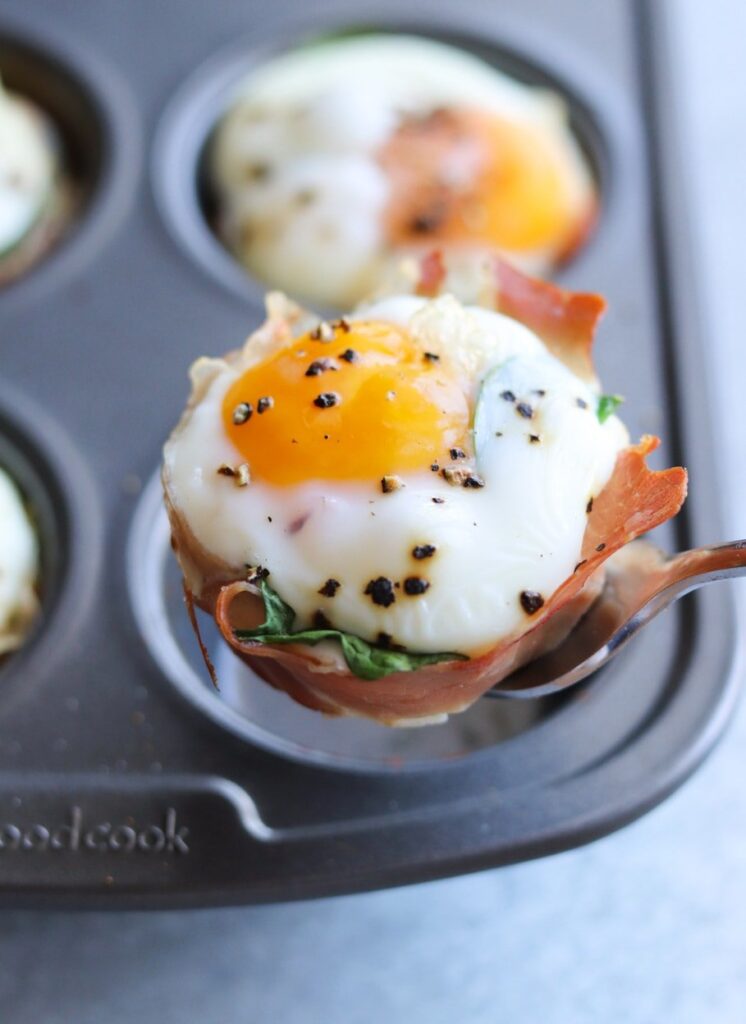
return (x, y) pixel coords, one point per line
(432, 274)
(565, 321)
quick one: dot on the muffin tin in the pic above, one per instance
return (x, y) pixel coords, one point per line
(125, 780)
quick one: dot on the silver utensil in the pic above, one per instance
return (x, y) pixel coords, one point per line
(641, 582)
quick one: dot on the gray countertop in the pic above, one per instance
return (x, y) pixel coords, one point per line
(644, 926)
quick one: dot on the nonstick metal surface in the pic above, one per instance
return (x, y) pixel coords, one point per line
(124, 779)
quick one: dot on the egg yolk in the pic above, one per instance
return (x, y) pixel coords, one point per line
(366, 404)
(467, 176)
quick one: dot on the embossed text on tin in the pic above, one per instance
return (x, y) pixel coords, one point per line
(79, 836)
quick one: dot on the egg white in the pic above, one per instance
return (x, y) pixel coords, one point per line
(522, 531)
(19, 559)
(316, 118)
(28, 164)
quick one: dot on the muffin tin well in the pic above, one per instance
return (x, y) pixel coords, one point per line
(61, 504)
(125, 779)
(88, 109)
(259, 715)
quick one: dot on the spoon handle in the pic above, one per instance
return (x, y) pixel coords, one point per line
(640, 583)
(686, 571)
(702, 565)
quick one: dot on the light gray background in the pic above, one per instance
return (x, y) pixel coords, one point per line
(645, 926)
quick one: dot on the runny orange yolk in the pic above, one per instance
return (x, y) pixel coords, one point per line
(385, 409)
(473, 177)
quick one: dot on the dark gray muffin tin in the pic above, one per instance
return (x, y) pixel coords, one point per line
(124, 779)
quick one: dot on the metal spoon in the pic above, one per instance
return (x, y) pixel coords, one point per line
(641, 581)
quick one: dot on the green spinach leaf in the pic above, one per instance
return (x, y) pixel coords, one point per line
(363, 659)
(607, 406)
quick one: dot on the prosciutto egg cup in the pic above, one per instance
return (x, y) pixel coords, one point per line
(388, 514)
(35, 196)
(19, 569)
(337, 159)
